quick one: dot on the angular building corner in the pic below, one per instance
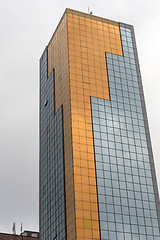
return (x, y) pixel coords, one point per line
(97, 174)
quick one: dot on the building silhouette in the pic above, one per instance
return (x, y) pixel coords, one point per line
(97, 174)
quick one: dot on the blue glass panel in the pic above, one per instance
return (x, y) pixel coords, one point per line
(127, 198)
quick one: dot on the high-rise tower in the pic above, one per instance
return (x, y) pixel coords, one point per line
(97, 175)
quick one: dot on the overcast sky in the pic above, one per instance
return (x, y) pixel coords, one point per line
(26, 27)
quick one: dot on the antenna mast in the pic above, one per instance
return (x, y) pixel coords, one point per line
(14, 228)
(90, 12)
(21, 228)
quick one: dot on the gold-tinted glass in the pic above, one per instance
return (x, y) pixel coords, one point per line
(58, 60)
(88, 40)
(77, 53)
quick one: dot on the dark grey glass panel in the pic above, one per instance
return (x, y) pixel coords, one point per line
(52, 190)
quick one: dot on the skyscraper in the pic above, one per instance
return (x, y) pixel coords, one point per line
(97, 174)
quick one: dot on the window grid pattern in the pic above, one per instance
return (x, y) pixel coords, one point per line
(52, 199)
(88, 40)
(127, 207)
(58, 59)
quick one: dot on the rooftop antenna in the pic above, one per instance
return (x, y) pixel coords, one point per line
(21, 228)
(14, 228)
(90, 12)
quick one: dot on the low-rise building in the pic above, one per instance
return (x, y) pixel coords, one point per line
(26, 235)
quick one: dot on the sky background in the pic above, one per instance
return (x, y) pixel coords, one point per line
(26, 27)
